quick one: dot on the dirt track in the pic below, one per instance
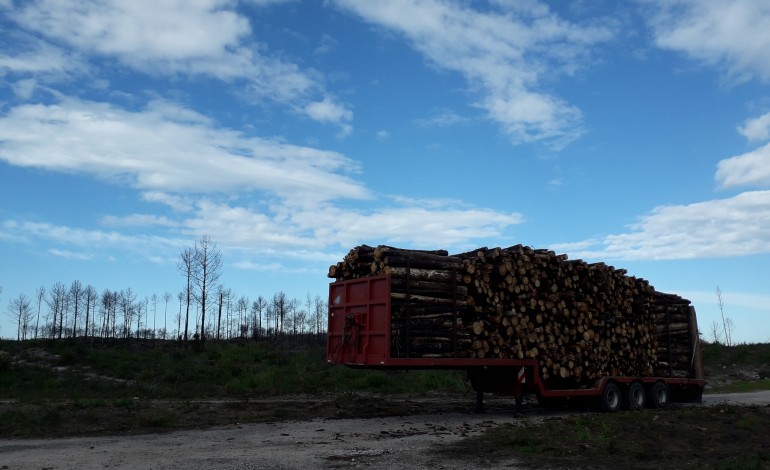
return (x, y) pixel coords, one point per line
(379, 443)
(749, 398)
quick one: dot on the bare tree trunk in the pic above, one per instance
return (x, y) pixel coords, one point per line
(76, 290)
(209, 263)
(219, 318)
(185, 265)
(40, 296)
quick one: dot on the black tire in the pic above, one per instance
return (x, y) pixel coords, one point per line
(611, 399)
(658, 396)
(634, 398)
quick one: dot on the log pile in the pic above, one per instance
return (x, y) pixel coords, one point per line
(580, 321)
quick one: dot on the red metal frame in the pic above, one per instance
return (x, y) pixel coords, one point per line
(359, 336)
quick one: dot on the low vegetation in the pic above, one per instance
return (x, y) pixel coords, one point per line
(737, 368)
(79, 386)
(726, 437)
(83, 369)
(51, 388)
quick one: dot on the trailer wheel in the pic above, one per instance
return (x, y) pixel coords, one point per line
(658, 395)
(635, 397)
(611, 398)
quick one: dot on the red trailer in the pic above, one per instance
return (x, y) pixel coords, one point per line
(359, 335)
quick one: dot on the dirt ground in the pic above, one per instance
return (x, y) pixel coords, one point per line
(378, 443)
(417, 441)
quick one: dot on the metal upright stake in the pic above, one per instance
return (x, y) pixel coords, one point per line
(454, 311)
(408, 303)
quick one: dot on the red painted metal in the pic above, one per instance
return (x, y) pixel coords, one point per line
(359, 322)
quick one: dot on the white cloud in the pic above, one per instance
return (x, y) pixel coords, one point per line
(732, 35)
(749, 169)
(70, 254)
(443, 118)
(430, 224)
(506, 53)
(140, 32)
(279, 231)
(345, 131)
(735, 226)
(93, 240)
(23, 89)
(244, 227)
(259, 267)
(328, 44)
(135, 220)
(756, 129)
(420, 225)
(165, 37)
(176, 202)
(329, 111)
(33, 56)
(167, 148)
(280, 195)
(263, 3)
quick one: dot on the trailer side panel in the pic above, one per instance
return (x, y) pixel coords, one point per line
(359, 321)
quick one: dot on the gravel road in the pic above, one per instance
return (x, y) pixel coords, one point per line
(749, 398)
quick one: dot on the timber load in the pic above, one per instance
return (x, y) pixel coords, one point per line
(581, 321)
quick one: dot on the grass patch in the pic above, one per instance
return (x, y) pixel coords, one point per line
(87, 369)
(687, 438)
(716, 356)
(737, 368)
(64, 387)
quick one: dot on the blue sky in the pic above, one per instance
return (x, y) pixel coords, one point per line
(635, 133)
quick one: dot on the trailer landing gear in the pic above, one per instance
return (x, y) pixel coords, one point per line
(507, 381)
(480, 401)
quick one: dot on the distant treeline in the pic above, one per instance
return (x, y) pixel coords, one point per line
(62, 311)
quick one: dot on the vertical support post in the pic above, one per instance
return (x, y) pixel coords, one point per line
(454, 312)
(518, 392)
(476, 377)
(480, 401)
(696, 364)
(668, 345)
(408, 312)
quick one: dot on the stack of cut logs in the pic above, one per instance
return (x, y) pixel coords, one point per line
(580, 321)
